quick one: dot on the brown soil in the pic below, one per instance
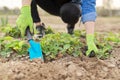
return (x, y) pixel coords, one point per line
(67, 68)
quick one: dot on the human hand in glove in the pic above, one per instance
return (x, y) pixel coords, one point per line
(24, 20)
(92, 49)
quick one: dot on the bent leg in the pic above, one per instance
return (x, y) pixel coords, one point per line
(49, 6)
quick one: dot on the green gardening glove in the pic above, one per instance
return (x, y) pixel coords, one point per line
(91, 45)
(25, 20)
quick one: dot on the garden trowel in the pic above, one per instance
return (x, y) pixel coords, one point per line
(35, 51)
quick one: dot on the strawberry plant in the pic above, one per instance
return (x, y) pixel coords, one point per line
(113, 37)
(104, 50)
(53, 44)
(104, 41)
(10, 45)
(11, 31)
(49, 30)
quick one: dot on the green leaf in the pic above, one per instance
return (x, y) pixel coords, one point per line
(66, 46)
(8, 38)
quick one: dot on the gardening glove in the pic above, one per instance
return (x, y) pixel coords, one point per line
(25, 20)
(92, 49)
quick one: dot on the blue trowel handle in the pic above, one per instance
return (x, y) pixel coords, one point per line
(28, 34)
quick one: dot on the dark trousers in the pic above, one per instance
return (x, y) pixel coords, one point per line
(50, 6)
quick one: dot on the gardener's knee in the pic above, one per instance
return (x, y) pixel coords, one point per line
(70, 13)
